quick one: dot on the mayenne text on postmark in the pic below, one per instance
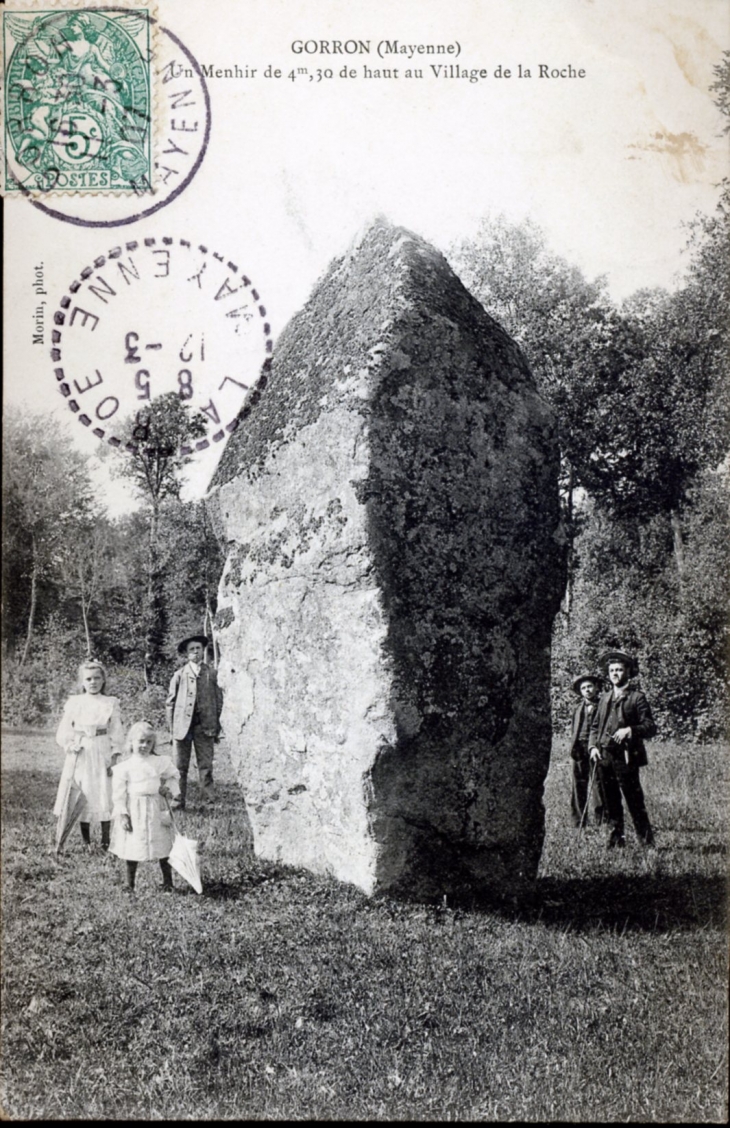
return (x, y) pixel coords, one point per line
(154, 317)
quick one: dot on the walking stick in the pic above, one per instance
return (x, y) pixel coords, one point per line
(591, 780)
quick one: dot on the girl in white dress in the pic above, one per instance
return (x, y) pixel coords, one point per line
(91, 734)
(142, 829)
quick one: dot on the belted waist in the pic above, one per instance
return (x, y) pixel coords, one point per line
(91, 730)
(144, 787)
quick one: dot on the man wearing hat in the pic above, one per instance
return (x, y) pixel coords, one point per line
(621, 723)
(587, 686)
(193, 709)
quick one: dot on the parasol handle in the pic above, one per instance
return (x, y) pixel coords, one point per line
(172, 817)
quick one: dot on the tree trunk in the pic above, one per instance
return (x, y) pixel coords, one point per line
(155, 602)
(84, 610)
(210, 628)
(31, 613)
(678, 542)
(568, 597)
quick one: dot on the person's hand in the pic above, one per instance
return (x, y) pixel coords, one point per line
(165, 792)
(74, 746)
(109, 771)
(126, 823)
(621, 735)
(595, 755)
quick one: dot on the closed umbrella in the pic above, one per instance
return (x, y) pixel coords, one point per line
(71, 807)
(183, 858)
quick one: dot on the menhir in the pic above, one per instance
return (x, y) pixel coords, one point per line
(390, 506)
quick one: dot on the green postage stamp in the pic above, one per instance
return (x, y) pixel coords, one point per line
(78, 99)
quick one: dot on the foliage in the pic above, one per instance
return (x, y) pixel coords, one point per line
(47, 501)
(158, 442)
(280, 995)
(159, 446)
(34, 693)
(34, 690)
(572, 335)
(629, 594)
(721, 88)
(191, 560)
(642, 400)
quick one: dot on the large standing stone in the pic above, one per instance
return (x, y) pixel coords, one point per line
(390, 507)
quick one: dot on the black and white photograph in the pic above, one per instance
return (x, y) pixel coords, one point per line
(366, 561)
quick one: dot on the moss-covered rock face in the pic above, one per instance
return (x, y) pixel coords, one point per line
(390, 505)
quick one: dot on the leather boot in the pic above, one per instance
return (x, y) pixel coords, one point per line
(86, 833)
(105, 826)
(179, 803)
(166, 868)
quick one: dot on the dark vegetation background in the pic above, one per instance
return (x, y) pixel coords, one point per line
(642, 399)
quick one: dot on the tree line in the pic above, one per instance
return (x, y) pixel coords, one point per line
(641, 397)
(77, 581)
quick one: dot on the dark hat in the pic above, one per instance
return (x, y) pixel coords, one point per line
(618, 656)
(183, 646)
(597, 681)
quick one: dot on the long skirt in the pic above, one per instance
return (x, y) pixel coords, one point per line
(88, 771)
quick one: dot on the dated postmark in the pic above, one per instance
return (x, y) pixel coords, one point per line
(78, 100)
(155, 316)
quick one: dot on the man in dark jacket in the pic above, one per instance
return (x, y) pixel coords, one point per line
(588, 686)
(193, 709)
(620, 725)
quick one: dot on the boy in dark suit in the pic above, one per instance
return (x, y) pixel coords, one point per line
(588, 687)
(620, 725)
(193, 710)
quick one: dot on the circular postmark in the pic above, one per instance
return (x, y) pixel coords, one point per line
(107, 114)
(158, 316)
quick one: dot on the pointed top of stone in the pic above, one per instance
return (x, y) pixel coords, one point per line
(388, 281)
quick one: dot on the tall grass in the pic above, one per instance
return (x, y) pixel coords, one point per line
(281, 995)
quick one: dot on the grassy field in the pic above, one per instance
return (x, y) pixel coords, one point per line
(281, 995)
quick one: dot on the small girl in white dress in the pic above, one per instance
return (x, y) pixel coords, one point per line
(142, 830)
(91, 734)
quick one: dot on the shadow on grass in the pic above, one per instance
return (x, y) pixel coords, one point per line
(259, 873)
(229, 890)
(646, 903)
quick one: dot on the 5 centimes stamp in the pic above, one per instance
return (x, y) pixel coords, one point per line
(78, 99)
(175, 137)
(158, 316)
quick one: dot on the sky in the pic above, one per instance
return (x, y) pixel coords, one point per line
(610, 166)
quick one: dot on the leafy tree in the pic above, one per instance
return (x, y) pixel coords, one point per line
(192, 562)
(641, 394)
(628, 593)
(159, 447)
(48, 502)
(85, 565)
(680, 426)
(573, 337)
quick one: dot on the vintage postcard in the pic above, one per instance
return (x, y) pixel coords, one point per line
(366, 449)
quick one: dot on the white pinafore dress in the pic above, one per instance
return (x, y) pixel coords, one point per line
(94, 720)
(136, 786)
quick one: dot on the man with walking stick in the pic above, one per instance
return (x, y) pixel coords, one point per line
(620, 725)
(588, 686)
